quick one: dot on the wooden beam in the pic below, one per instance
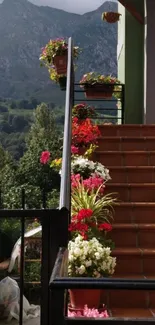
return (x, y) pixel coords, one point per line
(133, 11)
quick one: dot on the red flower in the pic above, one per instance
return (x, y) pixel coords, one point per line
(105, 226)
(84, 213)
(82, 228)
(74, 150)
(93, 183)
(84, 132)
(45, 156)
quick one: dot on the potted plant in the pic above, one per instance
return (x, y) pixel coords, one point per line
(83, 111)
(87, 168)
(58, 78)
(55, 53)
(98, 86)
(111, 17)
(84, 132)
(88, 258)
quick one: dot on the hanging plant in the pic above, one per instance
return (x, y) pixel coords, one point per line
(60, 79)
(111, 17)
(55, 53)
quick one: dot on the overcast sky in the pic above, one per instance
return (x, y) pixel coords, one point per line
(77, 6)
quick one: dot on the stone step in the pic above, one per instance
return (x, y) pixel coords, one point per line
(133, 235)
(133, 212)
(127, 130)
(132, 192)
(125, 158)
(132, 174)
(134, 261)
(126, 143)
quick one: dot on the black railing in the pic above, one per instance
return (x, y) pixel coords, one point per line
(54, 224)
(108, 110)
(59, 283)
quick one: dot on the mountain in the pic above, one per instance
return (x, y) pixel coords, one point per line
(25, 28)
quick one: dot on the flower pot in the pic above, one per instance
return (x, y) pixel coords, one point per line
(62, 83)
(96, 91)
(111, 17)
(81, 297)
(60, 63)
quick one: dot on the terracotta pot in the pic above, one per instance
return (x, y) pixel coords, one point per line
(111, 17)
(60, 63)
(104, 91)
(81, 297)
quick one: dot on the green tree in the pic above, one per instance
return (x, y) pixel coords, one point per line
(43, 136)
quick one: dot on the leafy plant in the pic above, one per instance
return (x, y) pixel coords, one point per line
(102, 207)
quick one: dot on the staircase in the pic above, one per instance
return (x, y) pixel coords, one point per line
(129, 152)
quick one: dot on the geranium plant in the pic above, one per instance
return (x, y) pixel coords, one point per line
(87, 168)
(83, 111)
(93, 78)
(89, 258)
(84, 132)
(54, 48)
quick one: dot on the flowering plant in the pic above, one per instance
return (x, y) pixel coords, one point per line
(87, 312)
(56, 164)
(45, 157)
(92, 78)
(89, 258)
(55, 47)
(83, 198)
(84, 133)
(85, 224)
(87, 168)
(83, 111)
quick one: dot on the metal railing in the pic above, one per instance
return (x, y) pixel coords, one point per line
(59, 283)
(108, 110)
(65, 191)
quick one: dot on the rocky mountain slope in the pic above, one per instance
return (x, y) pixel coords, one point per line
(26, 28)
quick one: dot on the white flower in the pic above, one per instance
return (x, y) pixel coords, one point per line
(82, 269)
(90, 257)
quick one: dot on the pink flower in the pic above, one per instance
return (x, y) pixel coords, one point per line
(45, 156)
(88, 312)
(93, 183)
(74, 150)
(75, 178)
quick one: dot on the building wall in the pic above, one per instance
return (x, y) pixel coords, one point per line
(131, 65)
(149, 52)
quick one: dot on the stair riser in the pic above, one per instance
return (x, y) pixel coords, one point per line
(133, 194)
(125, 159)
(133, 238)
(144, 214)
(126, 144)
(132, 175)
(132, 264)
(128, 299)
(126, 130)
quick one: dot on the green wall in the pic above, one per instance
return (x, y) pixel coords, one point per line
(131, 65)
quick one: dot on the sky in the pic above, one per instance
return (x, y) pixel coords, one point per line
(77, 6)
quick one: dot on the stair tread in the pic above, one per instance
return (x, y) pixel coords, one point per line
(131, 184)
(134, 226)
(132, 167)
(134, 251)
(123, 126)
(125, 151)
(136, 204)
(123, 137)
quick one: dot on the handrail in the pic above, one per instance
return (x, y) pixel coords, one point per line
(65, 191)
